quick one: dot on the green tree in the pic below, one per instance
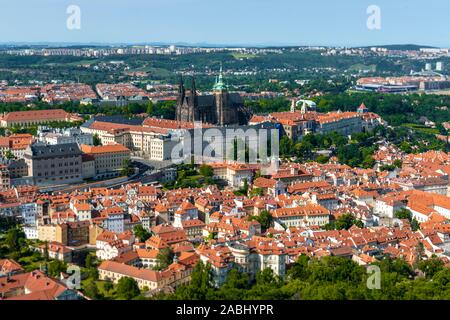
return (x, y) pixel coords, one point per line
(93, 273)
(141, 233)
(322, 159)
(264, 218)
(200, 285)
(256, 192)
(8, 154)
(398, 163)
(127, 168)
(404, 213)
(127, 288)
(89, 262)
(96, 140)
(344, 222)
(55, 268)
(300, 268)
(150, 108)
(164, 259)
(46, 255)
(91, 290)
(108, 286)
(206, 171)
(286, 147)
(244, 189)
(431, 266)
(415, 225)
(234, 287)
(14, 239)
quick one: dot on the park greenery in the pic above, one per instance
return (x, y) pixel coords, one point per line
(192, 176)
(127, 168)
(406, 214)
(141, 233)
(358, 149)
(344, 222)
(356, 152)
(264, 218)
(328, 278)
(396, 109)
(164, 259)
(14, 245)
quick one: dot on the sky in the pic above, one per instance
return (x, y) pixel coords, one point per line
(228, 22)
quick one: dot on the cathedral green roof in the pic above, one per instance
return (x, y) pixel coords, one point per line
(220, 84)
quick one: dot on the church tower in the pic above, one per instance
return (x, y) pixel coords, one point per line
(220, 108)
(219, 90)
(180, 99)
(225, 113)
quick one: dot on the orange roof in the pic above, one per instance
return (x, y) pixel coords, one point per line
(104, 149)
(170, 124)
(309, 209)
(133, 272)
(51, 114)
(336, 116)
(264, 182)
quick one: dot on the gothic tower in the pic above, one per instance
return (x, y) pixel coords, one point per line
(180, 99)
(221, 108)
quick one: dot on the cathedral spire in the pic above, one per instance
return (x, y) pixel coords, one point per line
(193, 87)
(193, 96)
(220, 84)
(181, 85)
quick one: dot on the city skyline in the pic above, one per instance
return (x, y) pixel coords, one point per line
(249, 23)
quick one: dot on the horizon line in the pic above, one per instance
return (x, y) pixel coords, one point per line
(205, 44)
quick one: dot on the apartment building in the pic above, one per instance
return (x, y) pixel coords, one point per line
(35, 117)
(301, 216)
(345, 123)
(249, 257)
(108, 159)
(154, 143)
(5, 181)
(69, 234)
(70, 135)
(54, 165)
(177, 275)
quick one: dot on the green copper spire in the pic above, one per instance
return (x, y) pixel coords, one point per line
(220, 84)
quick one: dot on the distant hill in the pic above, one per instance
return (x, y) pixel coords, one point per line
(402, 47)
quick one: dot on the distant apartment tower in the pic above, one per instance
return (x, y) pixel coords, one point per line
(428, 67)
(439, 66)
